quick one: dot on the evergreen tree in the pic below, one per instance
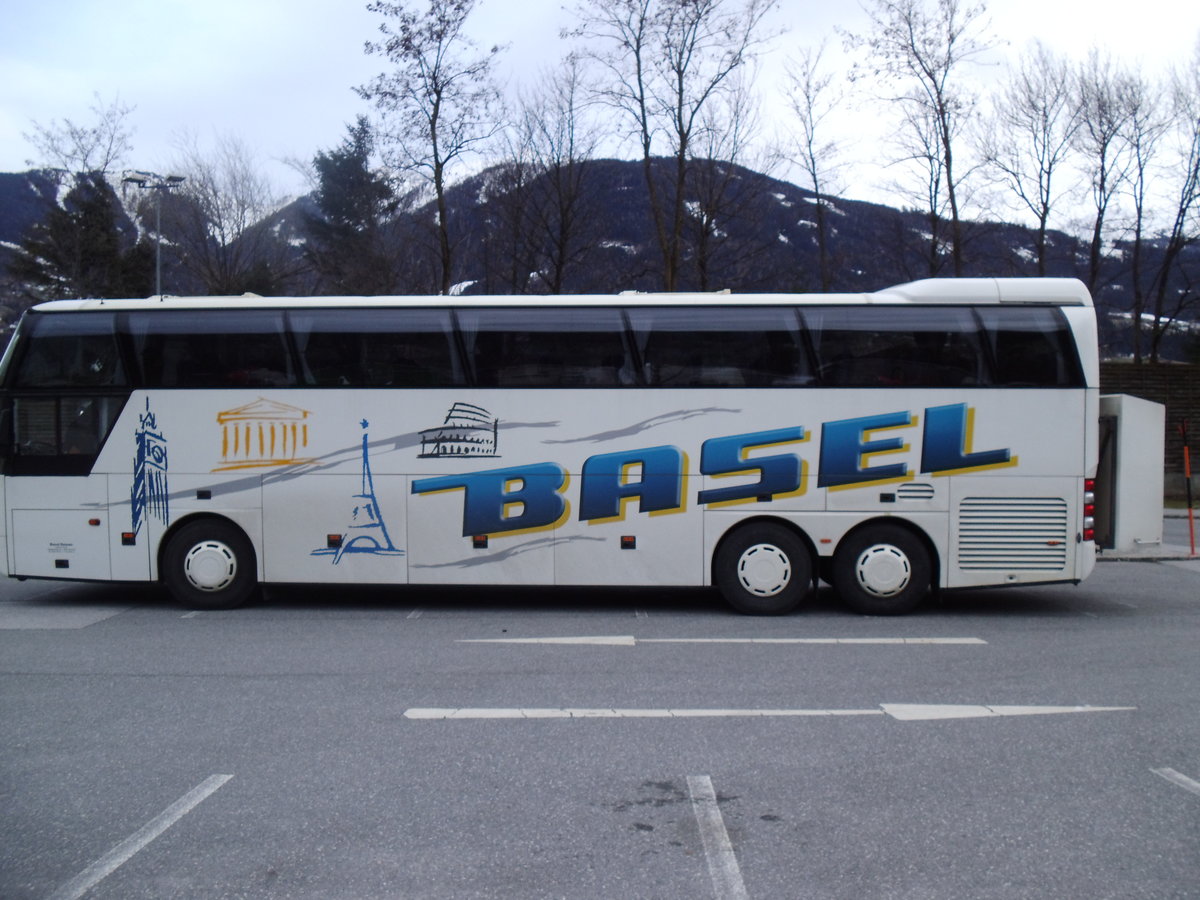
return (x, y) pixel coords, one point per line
(78, 250)
(347, 245)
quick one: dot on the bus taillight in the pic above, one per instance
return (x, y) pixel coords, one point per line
(1089, 509)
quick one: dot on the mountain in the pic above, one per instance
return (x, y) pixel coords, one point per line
(764, 239)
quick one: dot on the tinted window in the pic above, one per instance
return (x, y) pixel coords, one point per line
(546, 348)
(720, 347)
(376, 347)
(897, 346)
(78, 350)
(212, 348)
(1031, 347)
(63, 426)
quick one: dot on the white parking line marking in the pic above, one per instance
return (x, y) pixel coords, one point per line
(190, 615)
(968, 640)
(617, 713)
(124, 851)
(32, 616)
(903, 712)
(415, 614)
(923, 712)
(1178, 779)
(597, 640)
(628, 640)
(718, 851)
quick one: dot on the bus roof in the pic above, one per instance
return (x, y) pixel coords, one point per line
(949, 291)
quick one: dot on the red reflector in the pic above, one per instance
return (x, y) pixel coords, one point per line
(93, 522)
(628, 542)
(1089, 534)
(1089, 509)
(1089, 484)
(479, 541)
(333, 541)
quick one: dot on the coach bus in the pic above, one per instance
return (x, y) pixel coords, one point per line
(939, 434)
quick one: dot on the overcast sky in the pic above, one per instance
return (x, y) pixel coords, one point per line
(278, 74)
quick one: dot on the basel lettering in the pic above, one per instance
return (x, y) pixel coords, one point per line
(857, 452)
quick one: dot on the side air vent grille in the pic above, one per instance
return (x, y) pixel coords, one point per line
(915, 491)
(1027, 533)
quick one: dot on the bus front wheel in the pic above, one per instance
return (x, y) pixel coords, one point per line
(882, 570)
(209, 564)
(763, 570)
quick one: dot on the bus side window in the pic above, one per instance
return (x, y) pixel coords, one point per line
(376, 347)
(78, 350)
(720, 347)
(198, 348)
(897, 346)
(546, 348)
(1031, 347)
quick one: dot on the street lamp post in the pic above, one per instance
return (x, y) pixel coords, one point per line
(152, 181)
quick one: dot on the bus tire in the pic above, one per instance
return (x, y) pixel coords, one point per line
(209, 564)
(763, 570)
(882, 570)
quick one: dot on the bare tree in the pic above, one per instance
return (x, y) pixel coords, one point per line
(922, 147)
(921, 45)
(725, 190)
(101, 146)
(667, 62)
(509, 244)
(562, 139)
(438, 102)
(82, 247)
(217, 216)
(1029, 136)
(1183, 231)
(1146, 124)
(1100, 141)
(813, 97)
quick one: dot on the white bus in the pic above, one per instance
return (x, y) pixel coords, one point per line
(940, 434)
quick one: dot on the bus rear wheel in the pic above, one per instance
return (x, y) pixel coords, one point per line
(763, 570)
(209, 564)
(882, 570)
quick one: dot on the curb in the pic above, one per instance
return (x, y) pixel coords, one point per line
(1157, 553)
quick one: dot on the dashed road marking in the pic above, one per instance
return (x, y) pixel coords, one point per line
(718, 851)
(1178, 779)
(903, 712)
(628, 640)
(924, 712)
(124, 851)
(34, 616)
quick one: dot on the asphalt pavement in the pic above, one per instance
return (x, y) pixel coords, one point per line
(555, 743)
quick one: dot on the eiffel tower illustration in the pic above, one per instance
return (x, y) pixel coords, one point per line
(367, 531)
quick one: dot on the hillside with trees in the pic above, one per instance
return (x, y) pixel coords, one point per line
(1090, 170)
